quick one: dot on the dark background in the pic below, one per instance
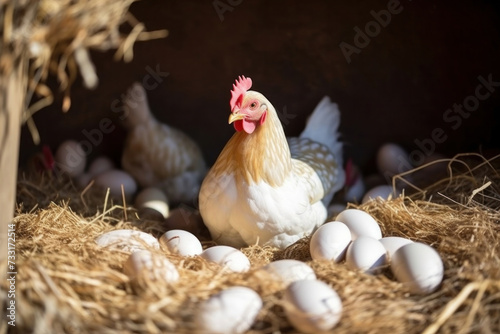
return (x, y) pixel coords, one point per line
(396, 89)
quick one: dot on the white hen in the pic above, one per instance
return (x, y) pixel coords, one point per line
(267, 190)
(158, 155)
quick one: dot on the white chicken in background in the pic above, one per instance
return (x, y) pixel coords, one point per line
(158, 155)
(264, 189)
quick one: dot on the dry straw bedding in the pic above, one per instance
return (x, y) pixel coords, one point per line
(66, 284)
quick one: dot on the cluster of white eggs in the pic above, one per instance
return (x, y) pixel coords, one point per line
(310, 305)
(356, 237)
(72, 160)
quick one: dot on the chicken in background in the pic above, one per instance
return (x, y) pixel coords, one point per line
(158, 155)
(264, 189)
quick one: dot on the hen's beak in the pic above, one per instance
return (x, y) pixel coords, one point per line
(235, 116)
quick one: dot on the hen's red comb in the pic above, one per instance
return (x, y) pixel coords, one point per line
(242, 85)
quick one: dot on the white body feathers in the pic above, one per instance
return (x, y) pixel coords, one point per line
(282, 202)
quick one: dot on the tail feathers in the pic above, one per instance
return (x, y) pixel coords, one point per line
(322, 127)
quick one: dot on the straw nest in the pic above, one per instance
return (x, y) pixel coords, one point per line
(66, 284)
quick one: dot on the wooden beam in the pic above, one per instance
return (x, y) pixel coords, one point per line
(12, 96)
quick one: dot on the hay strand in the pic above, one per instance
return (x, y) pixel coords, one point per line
(458, 301)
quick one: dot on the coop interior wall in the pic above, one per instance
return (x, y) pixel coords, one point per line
(398, 85)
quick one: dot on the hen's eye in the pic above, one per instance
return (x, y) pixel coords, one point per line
(253, 105)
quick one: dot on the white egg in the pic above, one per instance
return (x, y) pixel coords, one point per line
(157, 267)
(232, 310)
(127, 240)
(227, 257)
(392, 159)
(100, 165)
(419, 267)
(288, 271)
(392, 244)
(366, 254)
(382, 191)
(181, 242)
(360, 223)
(153, 199)
(312, 306)
(330, 242)
(71, 158)
(114, 179)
